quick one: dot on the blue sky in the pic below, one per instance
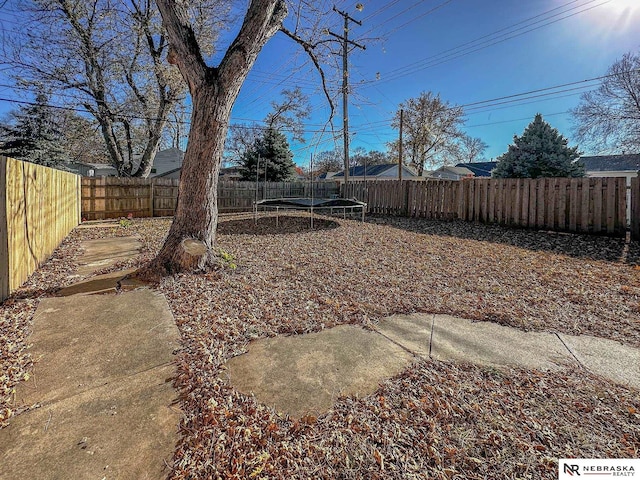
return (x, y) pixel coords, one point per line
(468, 51)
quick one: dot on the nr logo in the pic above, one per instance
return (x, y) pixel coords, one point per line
(572, 469)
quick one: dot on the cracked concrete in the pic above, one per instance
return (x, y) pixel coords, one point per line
(101, 385)
(274, 372)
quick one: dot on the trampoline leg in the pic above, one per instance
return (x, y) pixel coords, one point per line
(344, 213)
(311, 218)
(277, 216)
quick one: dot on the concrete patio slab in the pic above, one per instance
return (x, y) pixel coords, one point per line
(104, 252)
(413, 332)
(106, 283)
(80, 344)
(488, 343)
(102, 377)
(305, 374)
(125, 429)
(607, 358)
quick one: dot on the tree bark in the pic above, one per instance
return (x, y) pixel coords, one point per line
(190, 244)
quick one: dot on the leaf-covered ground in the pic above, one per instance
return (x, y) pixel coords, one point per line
(436, 420)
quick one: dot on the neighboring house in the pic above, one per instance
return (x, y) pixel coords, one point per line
(325, 177)
(388, 171)
(167, 163)
(479, 169)
(626, 165)
(92, 169)
(226, 174)
(230, 173)
(450, 173)
(175, 174)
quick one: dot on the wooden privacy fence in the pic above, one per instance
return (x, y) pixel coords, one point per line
(39, 206)
(635, 208)
(113, 197)
(590, 205)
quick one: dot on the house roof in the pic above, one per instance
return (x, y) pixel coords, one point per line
(462, 171)
(372, 170)
(479, 169)
(167, 173)
(230, 171)
(605, 163)
(326, 175)
(167, 161)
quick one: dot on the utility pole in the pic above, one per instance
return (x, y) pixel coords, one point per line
(400, 147)
(345, 84)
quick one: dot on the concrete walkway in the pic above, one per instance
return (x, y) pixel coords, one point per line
(104, 365)
(102, 380)
(304, 374)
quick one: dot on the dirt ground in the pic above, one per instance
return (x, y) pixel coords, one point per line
(436, 419)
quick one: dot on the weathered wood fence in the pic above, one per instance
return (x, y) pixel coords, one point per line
(39, 206)
(635, 208)
(590, 205)
(112, 197)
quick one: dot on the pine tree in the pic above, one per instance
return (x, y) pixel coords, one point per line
(273, 153)
(33, 135)
(540, 152)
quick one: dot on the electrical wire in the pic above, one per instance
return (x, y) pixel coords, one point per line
(473, 45)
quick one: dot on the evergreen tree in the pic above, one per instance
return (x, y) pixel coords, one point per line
(33, 134)
(272, 152)
(540, 152)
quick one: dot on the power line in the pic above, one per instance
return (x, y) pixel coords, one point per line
(418, 17)
(473, 45)
(345, 83)
(506, 99)
(517, 119)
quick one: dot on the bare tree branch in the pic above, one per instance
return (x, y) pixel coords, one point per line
(308, 48)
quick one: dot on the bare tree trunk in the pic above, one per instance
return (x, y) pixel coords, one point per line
(190, 243)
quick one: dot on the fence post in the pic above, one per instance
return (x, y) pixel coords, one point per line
(151, 195)
(4, 232)
(405, 183)
(635, 208)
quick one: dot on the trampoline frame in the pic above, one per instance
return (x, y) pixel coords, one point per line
(285, 203)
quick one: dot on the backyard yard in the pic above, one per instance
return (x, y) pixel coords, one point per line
(436, 420)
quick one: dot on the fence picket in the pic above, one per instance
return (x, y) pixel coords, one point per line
(635, 208)
(579, 204)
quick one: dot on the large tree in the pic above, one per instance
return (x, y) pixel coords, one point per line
(608, 118)
(40, 133)
(431, 128)
(269, 157)
(287, 115)
(81, 138)
(362, 157)
(108, 59)
(468, 149)
(328, 161)
(541, 151)
(33, 134)
(190, 242)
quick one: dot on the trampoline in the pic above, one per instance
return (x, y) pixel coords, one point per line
(309, 204)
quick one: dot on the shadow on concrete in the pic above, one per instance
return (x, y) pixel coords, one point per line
(270, 225)
(595, 247)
